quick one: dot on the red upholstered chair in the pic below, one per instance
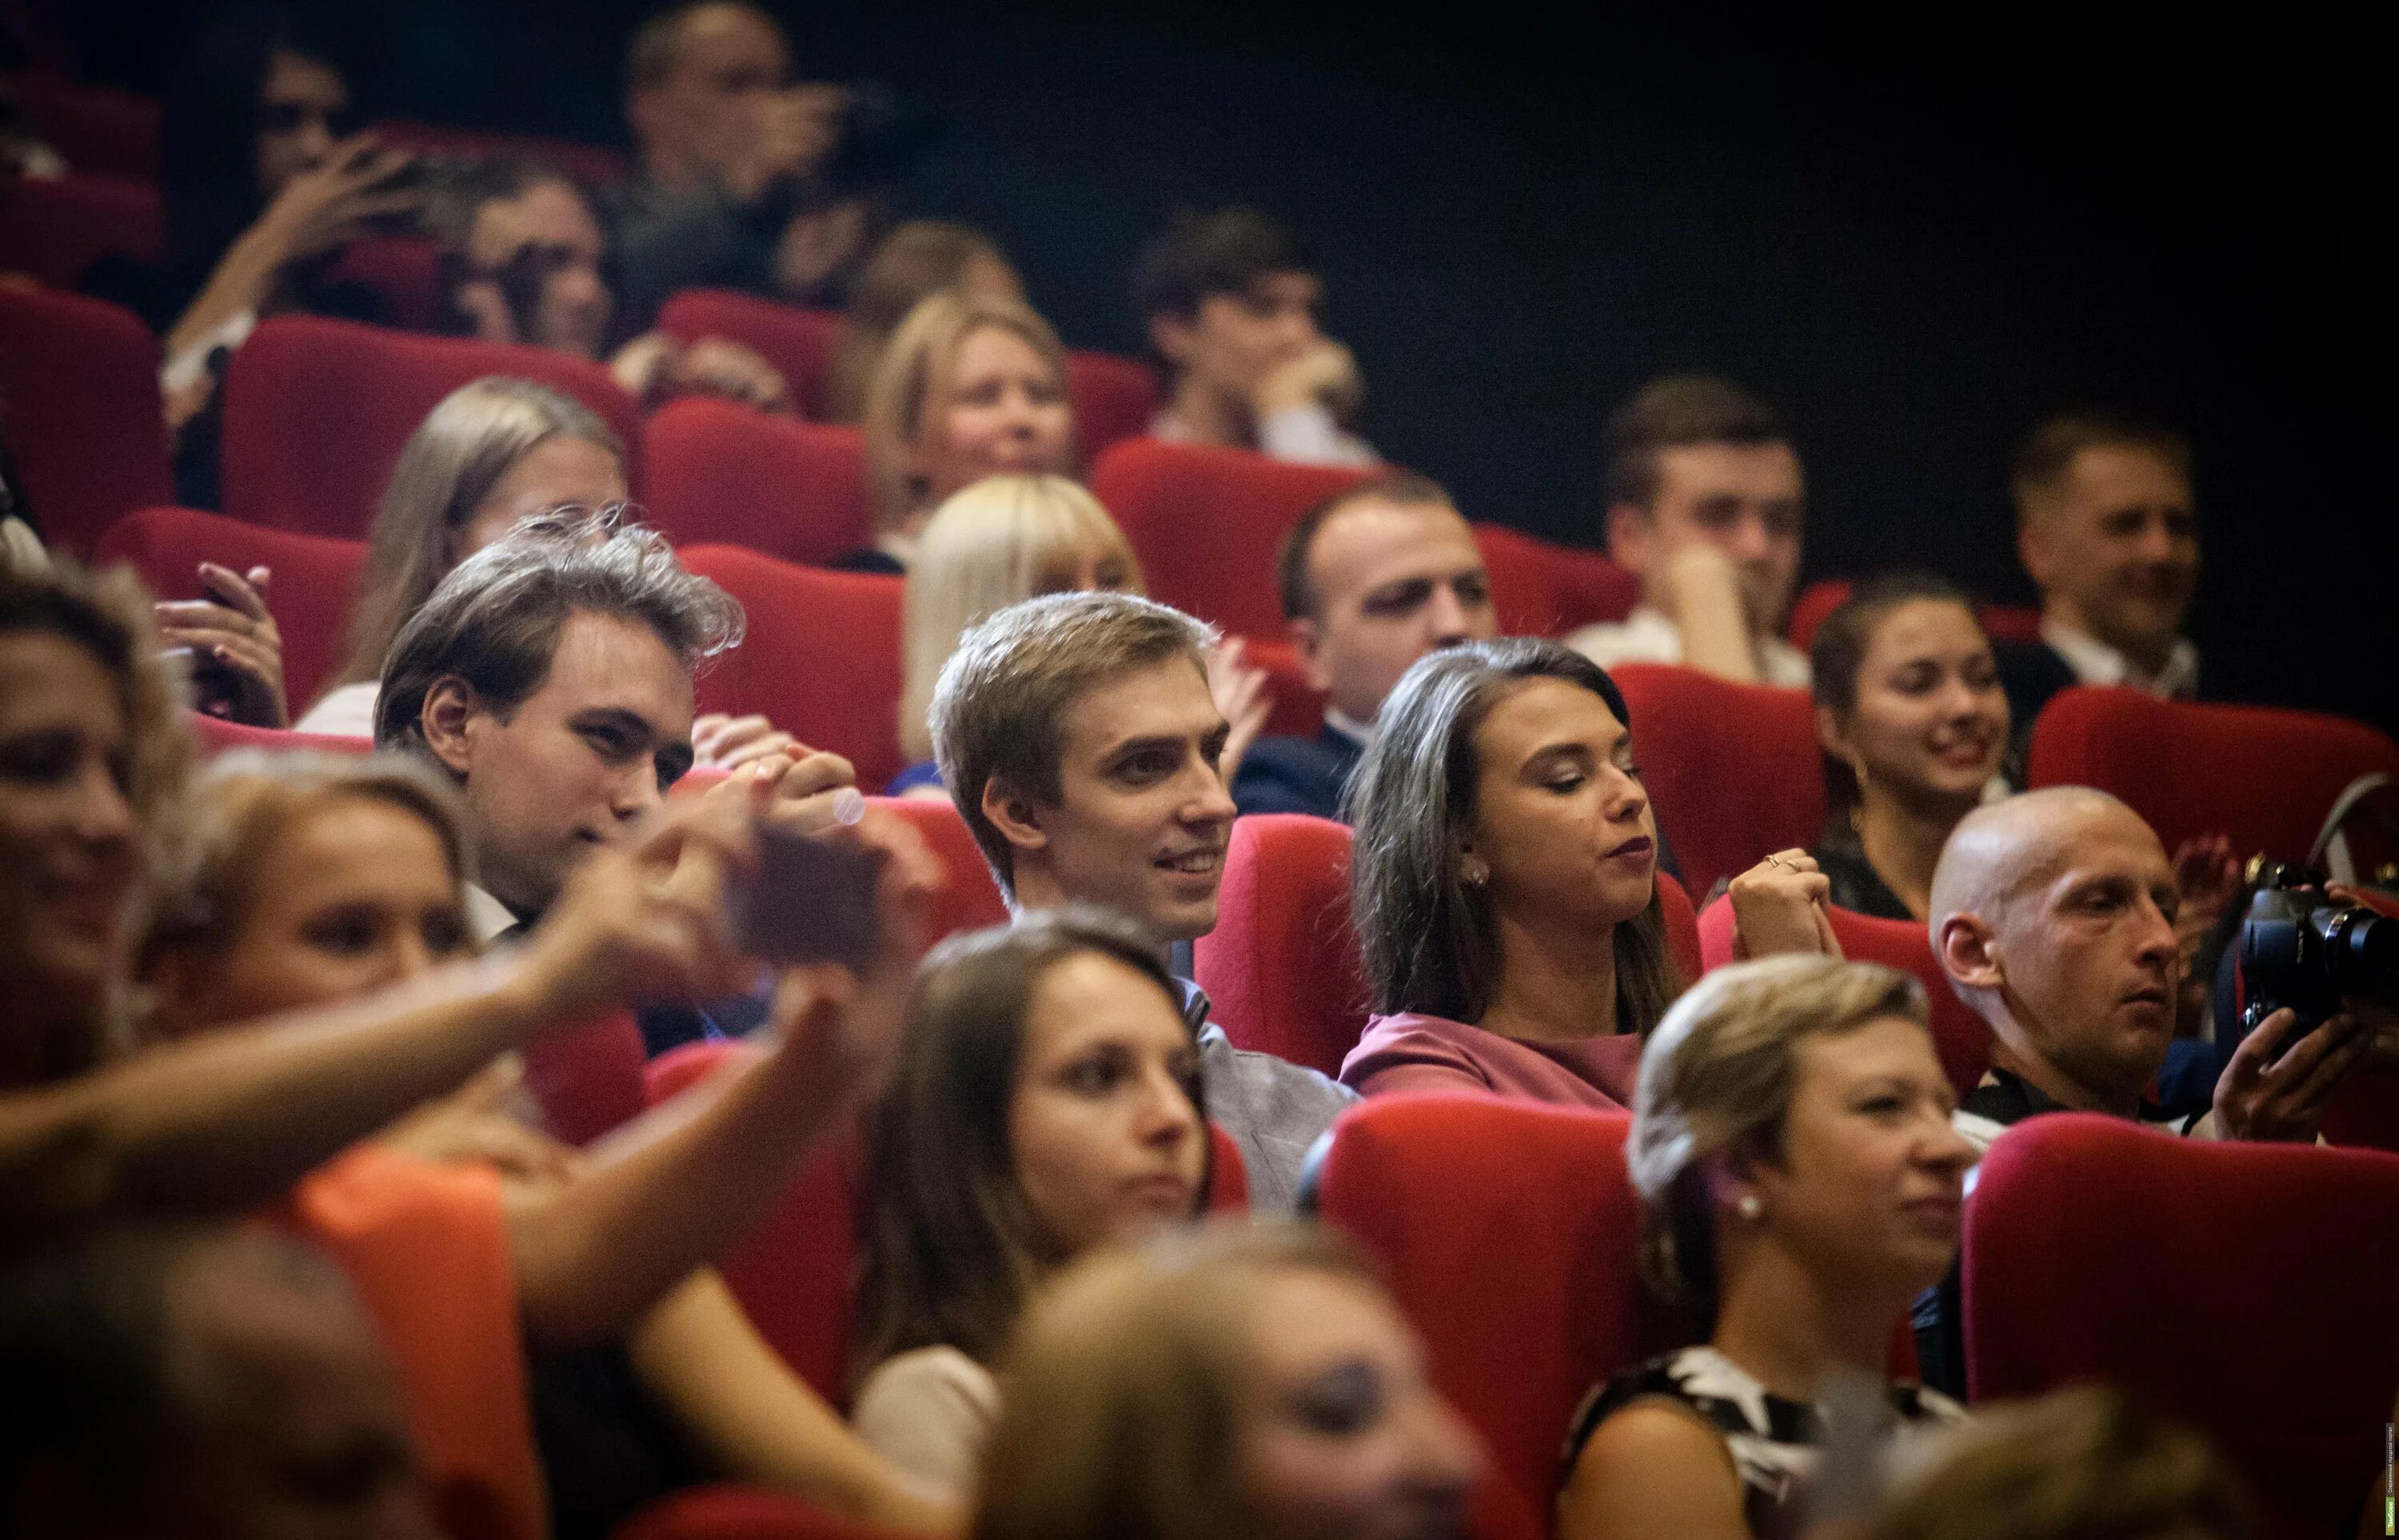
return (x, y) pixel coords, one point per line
(2264, 776)
(2000, 622)
(314, 576)
(55, 229)
(1206, 523)
(1113, 398)
(316, 410)
(720, 471)
(2246, 1290)
(1542, 589)
(1733, 769)
(1959, 1035)
(79, 399)
(589, 1081)
(798, 341)
(109, 133)
(1281, 967)
(405, 274)
(215, 735)
(1298, 710)
(822, 657)
(969, 898)
(1507, 1232)
(589, 164)
(741, 1513)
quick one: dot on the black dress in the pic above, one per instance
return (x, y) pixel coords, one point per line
(1857, 886)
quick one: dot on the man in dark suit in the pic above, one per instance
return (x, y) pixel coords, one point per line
(1370, 580)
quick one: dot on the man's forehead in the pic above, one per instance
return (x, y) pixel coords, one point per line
(2095, 844)
(1296, 286)
(2105, 477)
(1168, 699)
(1748, 470)
(719, 36)
(1371, 541)
(605, 662)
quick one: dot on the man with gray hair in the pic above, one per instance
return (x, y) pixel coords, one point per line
(1077, 737)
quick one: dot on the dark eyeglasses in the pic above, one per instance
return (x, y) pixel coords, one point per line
(289, 117)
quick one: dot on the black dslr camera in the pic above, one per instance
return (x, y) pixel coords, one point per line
(2297, 947)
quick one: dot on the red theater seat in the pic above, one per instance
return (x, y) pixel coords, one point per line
(1959, 1035)
(1298, 710)
(718, 471)
(1114, 400)
(2246, 1290)
(405, 274)
(798, 341)
(742, 1513)
(94, 131)
(588, 164)
(216, 735)
(969, 898)
(1733, 770)
(2264, 776)
(1281, 967)
(1508, 1232)
(588, 1082)
(822, 657)
(1542, 589)
(55, 229)
(1207, 523)
(314, 578)
(317, 411)
(79, 401)
(2000, 622)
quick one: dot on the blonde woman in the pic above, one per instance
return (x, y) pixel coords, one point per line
(1003, 540)
(1800, 1183)
(969, 387)
(1254, 1381)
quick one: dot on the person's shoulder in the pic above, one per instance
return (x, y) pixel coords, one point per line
(1290, 774)
(1227, 1067)
(906, 1384)
(1643, 1428)
(1411, 1041)
(1645, 635)
(1787, 667)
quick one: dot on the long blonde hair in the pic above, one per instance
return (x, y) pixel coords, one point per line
(996, 543)
(912, 379)
(452, 462)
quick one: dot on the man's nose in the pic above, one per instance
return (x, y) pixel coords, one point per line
(637, 794)
(1751, 541)
(1447, 617)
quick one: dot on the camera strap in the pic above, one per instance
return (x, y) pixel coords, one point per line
(2330, 854)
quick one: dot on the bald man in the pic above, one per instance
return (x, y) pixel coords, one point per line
(2052, 913)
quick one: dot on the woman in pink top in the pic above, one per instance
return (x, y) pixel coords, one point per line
(1504, 883)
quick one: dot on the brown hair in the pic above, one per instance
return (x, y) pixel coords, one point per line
(2084, 1463)
(1837, 655)
(451, 464)
(952, 1249)
(1429, 941)
(1000, 709)
(921, 257)
(2048, 452)
(1292, 583)
(1717, 1079)
(1673, 412)
(914, 371)
(1121, 1400)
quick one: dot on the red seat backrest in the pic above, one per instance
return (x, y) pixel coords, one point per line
(742, 1513)
(215, 735)
(1959, 1035)
(969, 898)
(317, 411)
(1207, 523)
(55, 228)
(590, 164)
(1508, 1232)
(822, 657)
(1733, 770)
(720, 471)
(1281, 967)
(588, 1082)
(79, 407)
(1114, 400)
(405, 274)
(93, 129)
(1542, 589)
(1298, 710)
(798, 341)
(2246, 1290)
(314, 579)
(2262, 776)
(2000, 622)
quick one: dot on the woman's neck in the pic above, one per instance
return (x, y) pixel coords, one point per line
(1902, 842)
(1781, 1325)
(1553, 986)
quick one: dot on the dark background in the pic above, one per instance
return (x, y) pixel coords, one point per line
(1915, 239)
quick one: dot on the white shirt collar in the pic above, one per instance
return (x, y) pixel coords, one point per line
(2094, 662)
(486, 916)
(1349, 726)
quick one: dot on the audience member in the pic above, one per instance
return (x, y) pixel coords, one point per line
(1370, 580)
(308, 882)
(1078, 739)
(1229, 303)
(1008, 538)
(2077, 1465)
(1048, 1101)
(209, 1382)
(967, 387)
(1914, 727)
(1704, 503)
(1504, 883)
(921, 258)
(1252, 1381)
(732, 185)
(1799, 1183)
(526, 261)
(2105, 528)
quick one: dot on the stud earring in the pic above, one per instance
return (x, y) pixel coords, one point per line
(1474, 872)
(1750, 1207)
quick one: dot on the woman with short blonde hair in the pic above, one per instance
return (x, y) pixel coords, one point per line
(1800, 1183)
(969, 387)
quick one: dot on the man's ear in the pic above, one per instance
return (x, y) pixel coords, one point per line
(1171, 336)
(1632, 536)
(1014, 815)
(2033, 550)
(1307, 642)
(447, 720)
(1969, 952)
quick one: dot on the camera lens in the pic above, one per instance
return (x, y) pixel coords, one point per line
(2361, 952)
